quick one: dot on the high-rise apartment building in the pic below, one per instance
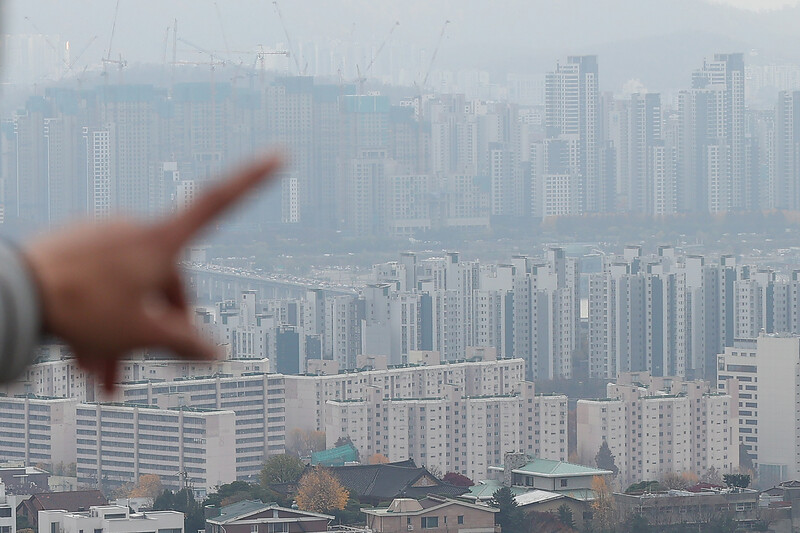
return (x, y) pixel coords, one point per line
(572, 109)
(657, 426)
(765, 370)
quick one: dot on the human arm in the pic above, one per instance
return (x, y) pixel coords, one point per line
(20, 324)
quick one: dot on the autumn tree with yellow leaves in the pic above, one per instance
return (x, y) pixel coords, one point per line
(318, 491)
(149, 486)
(602, 505)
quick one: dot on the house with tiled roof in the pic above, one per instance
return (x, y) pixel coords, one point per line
(432, 514)
(71, 501)
(251, 516)
(573, 480)
(374, 484)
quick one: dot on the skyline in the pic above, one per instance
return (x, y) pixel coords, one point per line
(637, 37)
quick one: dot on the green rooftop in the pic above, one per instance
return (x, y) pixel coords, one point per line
(335, 456)
(550, 468)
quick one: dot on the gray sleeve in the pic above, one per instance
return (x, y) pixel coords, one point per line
(20, 319)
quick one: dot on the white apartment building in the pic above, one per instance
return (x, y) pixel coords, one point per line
(8, 511)
(116, 444)
(110, 519)
(765, 371)
(37, 430)
(257, 399)
(55, 375)
(452, 431)
(656, 426)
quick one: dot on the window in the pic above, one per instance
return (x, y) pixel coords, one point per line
(254, 528)
(461, 519)
(53, 527)
(430, 522)
(563, 482)
(5, 512)
(279, 528)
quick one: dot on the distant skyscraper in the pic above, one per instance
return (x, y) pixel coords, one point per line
(712, 150)
(787, 156)
(572, 109)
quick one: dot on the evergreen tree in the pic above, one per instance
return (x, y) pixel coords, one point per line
(183, 501)
(565, 515)
(510, 517)
(605, 459)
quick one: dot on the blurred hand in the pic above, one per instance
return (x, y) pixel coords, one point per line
(111, 287)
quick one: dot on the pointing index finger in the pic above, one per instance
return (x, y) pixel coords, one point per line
(215, 200)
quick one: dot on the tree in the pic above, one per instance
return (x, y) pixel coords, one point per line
(459, 480)
(377, 459)
(241, 490)
(565, 515)
(636, 523)
(149, 486)
(605, 459)
(184, 502)
(741, 481)
(711, 476)
(301, 442)
(319, 491)
(602, 505)
(645, 486)
(344, 440)
(510, 517)
(283, 468)
(351, 514)
(435, 471)
(673, 480)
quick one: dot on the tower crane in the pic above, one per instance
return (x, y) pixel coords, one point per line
(121, 63)
(435, 53)
(288, 39)
(77, 57)
(49, 42)
(363, 77)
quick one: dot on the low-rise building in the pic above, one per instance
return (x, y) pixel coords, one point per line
(110, 519)
(690, 507)
(432, 514)
(531, 473)
(257, 517)
(72, 501)
(8, 511)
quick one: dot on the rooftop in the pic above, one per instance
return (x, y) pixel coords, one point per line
(549, 468)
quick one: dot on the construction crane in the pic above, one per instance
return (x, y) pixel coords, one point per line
(121, 63)
(50, 43)
(435, 53)
(288, 39)
(259, 55)
(77, 58)
(363, 78)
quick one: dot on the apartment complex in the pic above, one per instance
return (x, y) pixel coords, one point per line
(451, 431)
(659, 425)
(460, 416)
(763, 372)
(116, 444)
(36, 429)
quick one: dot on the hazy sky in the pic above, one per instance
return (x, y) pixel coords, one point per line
(486, 34)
